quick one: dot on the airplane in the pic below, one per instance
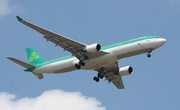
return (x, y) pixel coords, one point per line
(87, 57)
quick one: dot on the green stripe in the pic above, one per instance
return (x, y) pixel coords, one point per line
(129, 42)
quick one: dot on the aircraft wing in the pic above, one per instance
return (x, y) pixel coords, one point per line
(112, 75)
(68, 44)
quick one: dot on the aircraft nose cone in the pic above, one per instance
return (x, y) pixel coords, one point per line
(159, 42)
(163, 41)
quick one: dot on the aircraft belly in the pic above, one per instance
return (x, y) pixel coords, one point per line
(63, 66)
(100, 61)
(133, 49)
(127, 49)
(57, 67)
(130, 50)
(129, 54)
(44, 69)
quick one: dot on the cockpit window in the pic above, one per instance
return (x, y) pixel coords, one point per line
(158, 37)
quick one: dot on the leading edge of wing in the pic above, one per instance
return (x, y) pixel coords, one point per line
(45, 31)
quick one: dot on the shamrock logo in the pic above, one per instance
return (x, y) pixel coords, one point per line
(33, 57)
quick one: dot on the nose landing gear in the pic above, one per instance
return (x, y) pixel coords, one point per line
(148, 54)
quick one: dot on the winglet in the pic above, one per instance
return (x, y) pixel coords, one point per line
(19, 19)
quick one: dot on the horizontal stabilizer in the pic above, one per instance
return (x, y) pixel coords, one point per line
(26, 65)
(21, 63)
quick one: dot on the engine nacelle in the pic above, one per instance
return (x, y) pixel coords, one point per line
(127, 70)
(92, 48)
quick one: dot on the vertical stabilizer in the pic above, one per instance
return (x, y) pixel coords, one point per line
(34, 57)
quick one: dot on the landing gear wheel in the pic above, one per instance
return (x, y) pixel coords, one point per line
(148, 55)
(96, 79)
(100, 76)
(81, 63)
(86, 57)
(77, 66)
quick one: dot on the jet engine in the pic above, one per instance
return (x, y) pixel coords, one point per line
(92, 48)
(127, 70)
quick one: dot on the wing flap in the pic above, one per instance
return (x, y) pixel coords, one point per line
(115, 79)
(118, 82)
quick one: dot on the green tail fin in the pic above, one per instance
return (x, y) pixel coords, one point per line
(34, 57)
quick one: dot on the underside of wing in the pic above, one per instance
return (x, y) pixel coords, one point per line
(111, 74)
(115, 79)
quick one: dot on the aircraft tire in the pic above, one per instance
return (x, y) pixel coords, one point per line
(81, 63)
(148, 55)
(96, 79)
(77, 66)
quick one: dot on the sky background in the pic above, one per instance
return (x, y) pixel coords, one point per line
(155, 83)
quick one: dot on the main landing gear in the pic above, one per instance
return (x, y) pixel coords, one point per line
(96, 78)
(78, 66)
(148, 54)
(99, 75)
(81, 63)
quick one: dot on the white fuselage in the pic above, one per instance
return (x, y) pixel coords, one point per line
(114, 54)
